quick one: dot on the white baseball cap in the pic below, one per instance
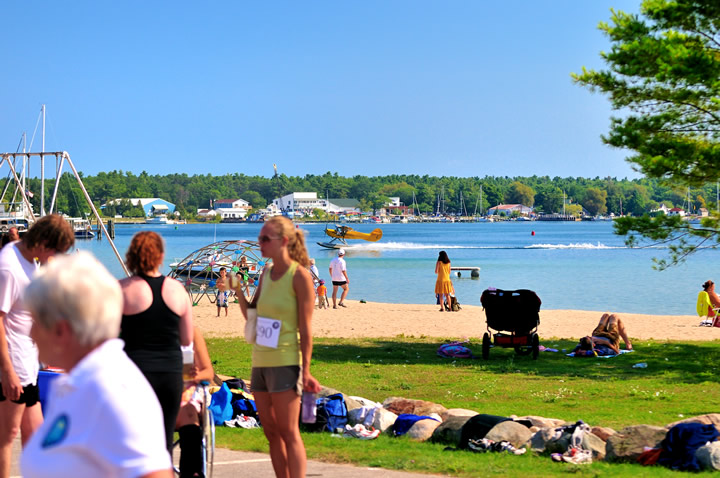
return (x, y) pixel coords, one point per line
(341, 252)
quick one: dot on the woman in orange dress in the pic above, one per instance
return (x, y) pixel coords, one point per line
(443, 286)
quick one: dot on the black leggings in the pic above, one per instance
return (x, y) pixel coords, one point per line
(168, 388)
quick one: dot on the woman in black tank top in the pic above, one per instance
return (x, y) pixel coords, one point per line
(153, 334)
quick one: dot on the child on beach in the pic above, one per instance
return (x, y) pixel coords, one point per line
(222, 293)
(322, 295)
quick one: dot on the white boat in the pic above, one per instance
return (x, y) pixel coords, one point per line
(159, 219)
(81, 227)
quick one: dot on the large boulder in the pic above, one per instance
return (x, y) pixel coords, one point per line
(629, 443)
(450, 430)
(384, 420)
(540, 422)
(709, 419)
(399, 405)
(511, 431)
(708, 456)
(595, 444)
(548, 440)
(422, 430)
(364, 402)
(327, 391)
(457, 412)
(603, 432)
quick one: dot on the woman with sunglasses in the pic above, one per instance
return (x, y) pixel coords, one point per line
(285, 299)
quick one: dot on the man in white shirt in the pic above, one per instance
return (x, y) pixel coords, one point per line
(19, 408)
(339, 277)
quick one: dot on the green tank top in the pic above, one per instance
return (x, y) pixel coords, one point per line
(278, 301)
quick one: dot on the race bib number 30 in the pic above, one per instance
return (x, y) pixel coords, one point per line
(268, 332)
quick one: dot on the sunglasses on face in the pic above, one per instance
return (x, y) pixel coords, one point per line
(265, 238)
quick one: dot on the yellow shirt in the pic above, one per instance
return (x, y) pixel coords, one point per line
(278, 301)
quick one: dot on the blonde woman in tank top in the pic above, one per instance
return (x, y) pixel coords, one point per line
(285, 299)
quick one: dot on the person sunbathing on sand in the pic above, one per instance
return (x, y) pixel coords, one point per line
(605, 339)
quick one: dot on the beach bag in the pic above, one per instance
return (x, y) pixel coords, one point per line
(332, 413)
(220, 407)
(251, 325)
(242, 405)
(454, 350)
(454, 304)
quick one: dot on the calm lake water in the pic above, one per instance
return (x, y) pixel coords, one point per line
(578, 265)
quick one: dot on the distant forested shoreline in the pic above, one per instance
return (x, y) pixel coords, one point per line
(453, 195)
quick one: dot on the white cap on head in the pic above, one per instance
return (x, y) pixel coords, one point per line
(341, 252)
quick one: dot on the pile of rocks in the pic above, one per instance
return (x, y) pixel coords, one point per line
(541, 437)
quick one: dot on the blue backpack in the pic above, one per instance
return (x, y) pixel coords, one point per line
(454, 350)
(332, 413)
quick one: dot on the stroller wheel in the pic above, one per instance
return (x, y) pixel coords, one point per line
(486, 346)
(535, 346)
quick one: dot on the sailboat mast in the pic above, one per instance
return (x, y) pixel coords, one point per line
(42, 167)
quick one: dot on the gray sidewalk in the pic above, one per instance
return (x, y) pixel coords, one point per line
(230, 463)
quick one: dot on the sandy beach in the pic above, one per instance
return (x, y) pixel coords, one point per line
(412, 320)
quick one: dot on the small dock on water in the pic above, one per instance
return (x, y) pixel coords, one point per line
(474, 271)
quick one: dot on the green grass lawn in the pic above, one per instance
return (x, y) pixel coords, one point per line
(681, 381)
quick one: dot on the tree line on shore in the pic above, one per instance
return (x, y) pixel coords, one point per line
(451, 195)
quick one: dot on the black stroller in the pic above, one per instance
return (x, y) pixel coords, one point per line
(515, 314)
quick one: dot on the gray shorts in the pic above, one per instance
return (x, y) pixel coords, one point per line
(277, 379)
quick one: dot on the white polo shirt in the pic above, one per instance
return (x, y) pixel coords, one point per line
(337, 266)
(15, 275)
(103, 419)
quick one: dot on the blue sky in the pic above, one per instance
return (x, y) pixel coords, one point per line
(453, 88)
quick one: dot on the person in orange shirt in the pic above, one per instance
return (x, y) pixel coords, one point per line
(322, 295)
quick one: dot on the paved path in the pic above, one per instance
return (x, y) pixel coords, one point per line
(230, 463)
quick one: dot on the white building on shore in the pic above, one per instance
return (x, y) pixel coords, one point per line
(226, 208)
(300, 203)
(303, 203)
(509, 209)
(231, 208)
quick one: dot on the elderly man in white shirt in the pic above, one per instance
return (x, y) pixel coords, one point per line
(103, 418)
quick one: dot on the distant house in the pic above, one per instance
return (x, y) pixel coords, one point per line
(509, 209)
(704, 212)
(395, 206)
(663, 208)
(342, 205)
(206, 213)
(151, 206)
(231, 208)
(676, 211)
